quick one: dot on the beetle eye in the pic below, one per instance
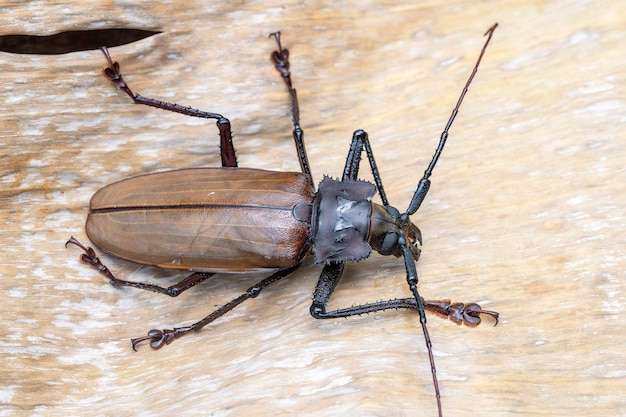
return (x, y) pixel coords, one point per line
(390, 244)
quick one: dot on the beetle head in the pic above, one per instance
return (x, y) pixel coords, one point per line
(390, 231)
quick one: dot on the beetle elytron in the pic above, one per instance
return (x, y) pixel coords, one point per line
(237, 220)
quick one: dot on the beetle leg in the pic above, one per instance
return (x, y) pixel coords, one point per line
(327, 283)
(90, 258)
(227, 149)
(159, 338)
(460, 313)
(331, 274)
(281, 63)
(457, 312)
(360, 141)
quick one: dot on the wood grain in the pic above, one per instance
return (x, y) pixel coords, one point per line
(525, 215)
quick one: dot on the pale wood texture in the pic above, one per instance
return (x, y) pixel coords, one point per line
(526, 211)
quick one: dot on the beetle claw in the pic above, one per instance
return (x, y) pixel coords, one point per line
(158, 338)
(470, 314)
(112, 72)
(90, 258)
(460, 313)
(474, 310)
(155, 336)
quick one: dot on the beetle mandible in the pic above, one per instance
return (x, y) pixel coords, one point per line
(240, 220)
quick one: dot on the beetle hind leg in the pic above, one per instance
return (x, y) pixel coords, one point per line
(90, 258)
(159, 338)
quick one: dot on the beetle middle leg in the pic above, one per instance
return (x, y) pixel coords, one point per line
(227, 150)
(281, 63)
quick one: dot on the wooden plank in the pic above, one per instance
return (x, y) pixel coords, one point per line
(525, 213)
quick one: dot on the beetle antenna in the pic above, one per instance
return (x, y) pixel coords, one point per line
(411, 277)
(416, 201)
(424, 183)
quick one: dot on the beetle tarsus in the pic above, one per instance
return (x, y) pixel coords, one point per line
(90, 258)
(157, 338)
(460, 313)
(281, 59)
(471, 314)
(113, 73)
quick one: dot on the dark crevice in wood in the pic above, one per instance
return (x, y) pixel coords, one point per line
(71, 41)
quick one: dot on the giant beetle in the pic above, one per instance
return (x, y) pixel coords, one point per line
(240, 220)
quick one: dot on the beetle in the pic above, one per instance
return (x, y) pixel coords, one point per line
(242, 220)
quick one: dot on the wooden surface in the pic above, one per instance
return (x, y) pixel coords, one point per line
(525, 214)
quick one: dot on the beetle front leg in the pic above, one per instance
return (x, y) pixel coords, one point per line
(460, 313)
(90, 258)
(360, 141)
(331, 274)
(227, 150)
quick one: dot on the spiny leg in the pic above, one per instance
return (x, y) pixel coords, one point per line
(281, 63)
(360, 141)
(90, 258)
(330, 276)
(227, 150)
(159, 338)
(458, 312)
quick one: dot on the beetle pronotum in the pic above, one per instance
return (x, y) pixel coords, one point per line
(238, 220)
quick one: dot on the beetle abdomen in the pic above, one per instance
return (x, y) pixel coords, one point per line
(206, 219)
